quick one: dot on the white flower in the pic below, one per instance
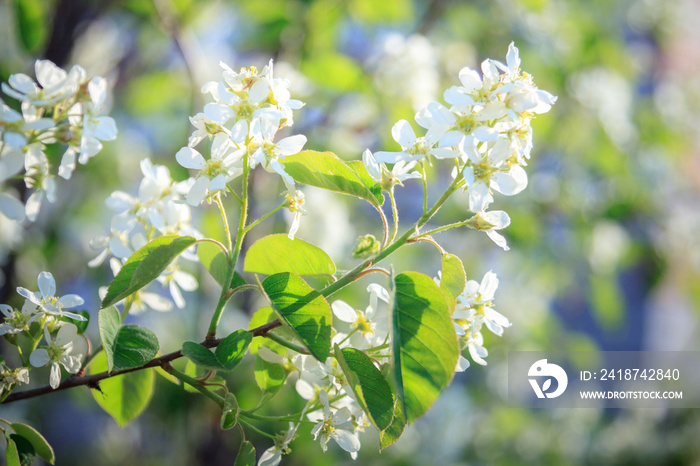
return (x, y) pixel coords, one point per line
(489, 222)
(370, 328)
(474, 310)
(273, 455)
(10, 377)
(47, 300)
(295, 205)
(336, 425)
(58, 351)
(93, 127)
(14, 126)
(18, 320)
(488, 169)
(54, 84)
(39, 178)
(415, 149)
(269, 154)
(379, 173)
(215, 173)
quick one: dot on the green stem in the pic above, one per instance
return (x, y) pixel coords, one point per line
(356, 273)
(395, 213)
(255, 429)
(218, 243)
(194, 384)
(225, 220)
(223, 298)
(127, 308)
(258, 417)
(234, 194)
(286, 343)
(443, 228)
(255, 223)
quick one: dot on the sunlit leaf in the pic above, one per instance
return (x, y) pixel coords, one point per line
(303, 309)
(277, 253)
(425, 346)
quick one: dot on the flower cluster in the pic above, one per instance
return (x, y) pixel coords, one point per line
(42, 314)
(474, 310)
(335, 410)
(249, 107)
(60, 107)
(157, 209)
(486, 130)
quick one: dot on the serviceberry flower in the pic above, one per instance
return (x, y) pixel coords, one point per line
(47, 300)
(223, 166)
(415, 149)
(336, 425)
(273, 455)
(17, 321)
(295, 206)
(57, 351)
(385, 177)
(489, 222)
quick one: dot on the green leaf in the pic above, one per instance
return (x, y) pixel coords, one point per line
(200, 355)
(392, 433)
(277, 253)
(41, 446)
(425, 348)
(12, 454)
(375, 188)
(25, 450)
(232, 349)
(214, 260)
(145, 265)
(229, 416)
(32, 23)
(303, 309)
(246, 455)
(269, 377)
(325, 170)
(453, 278)
(133, 346)
(371, 389)
(263, 316)
(109, 321)
(125, 396)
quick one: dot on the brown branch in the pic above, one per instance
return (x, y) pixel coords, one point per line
(92, 381)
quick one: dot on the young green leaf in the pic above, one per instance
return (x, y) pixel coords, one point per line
(200, 355)
(229, 416)
(425, 348)
(125, 396)
(214, 260)
(39, 443)
(303, 309)
(246, 455)
(133, 347)
(371, 389)
(269, 377)
(325, 170)
(232, 349)
(277, 253)
(145, 265)
(453, 278)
